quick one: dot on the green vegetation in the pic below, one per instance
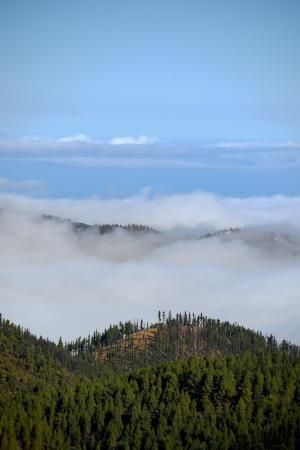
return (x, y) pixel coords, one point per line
(186, 382)
(134, 345)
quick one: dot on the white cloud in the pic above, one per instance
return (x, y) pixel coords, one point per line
(130, 140)
(78, 142)
(166, 211)
(256, 144)
(76, 138)
(127, 162)
(60, 283)
(82, 150)
(28, 185)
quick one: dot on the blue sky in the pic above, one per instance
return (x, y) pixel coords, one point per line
(187, 75)
(84, 168)
(173, 69)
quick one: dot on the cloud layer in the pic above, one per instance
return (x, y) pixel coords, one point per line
(7, 184)
(130, 140)
(144, 151)
(58, 282)
(167, 211)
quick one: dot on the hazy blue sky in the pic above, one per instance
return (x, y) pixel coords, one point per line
(188, 69)
(215, 82)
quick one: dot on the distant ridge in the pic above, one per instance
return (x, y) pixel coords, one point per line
(101, 229)
(107, 228)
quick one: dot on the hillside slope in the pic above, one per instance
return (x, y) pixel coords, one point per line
(131, 344)
(223, 397)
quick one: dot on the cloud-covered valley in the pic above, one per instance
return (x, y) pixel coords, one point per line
(63, 283)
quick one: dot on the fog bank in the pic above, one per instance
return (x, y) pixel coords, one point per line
(61, 283)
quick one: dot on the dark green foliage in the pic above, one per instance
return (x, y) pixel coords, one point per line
(239, 397)
(129, 346)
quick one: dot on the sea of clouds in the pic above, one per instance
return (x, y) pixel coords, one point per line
(61, 283)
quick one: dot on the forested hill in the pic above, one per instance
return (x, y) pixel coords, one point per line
(136, 344)
(135, 228)
(280, 242)
(206, 385)
(100, 229)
